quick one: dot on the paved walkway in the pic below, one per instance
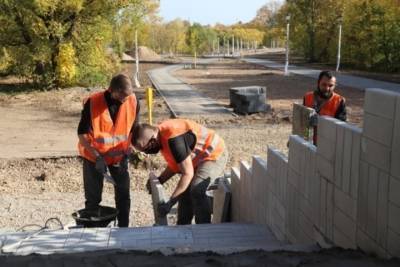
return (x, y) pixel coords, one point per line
(343, 79)
(179, 96)
(221, 238)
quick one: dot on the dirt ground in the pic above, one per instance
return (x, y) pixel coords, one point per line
(300, 61)
(35, 189)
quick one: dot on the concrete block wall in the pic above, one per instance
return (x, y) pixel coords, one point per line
(347, 188)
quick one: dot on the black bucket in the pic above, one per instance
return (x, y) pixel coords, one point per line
(100, 217)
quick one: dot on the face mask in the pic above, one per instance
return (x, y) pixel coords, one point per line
(153, 150)
(152, 147)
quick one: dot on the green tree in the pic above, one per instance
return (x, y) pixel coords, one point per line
(59, 42)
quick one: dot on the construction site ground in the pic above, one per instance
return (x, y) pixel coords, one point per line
(32, 189)
(35, 189)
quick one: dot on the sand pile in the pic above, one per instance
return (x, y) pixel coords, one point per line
(146, 54)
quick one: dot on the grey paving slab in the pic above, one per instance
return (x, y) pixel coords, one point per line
(220, 238)
(343, 79)
(181, 98)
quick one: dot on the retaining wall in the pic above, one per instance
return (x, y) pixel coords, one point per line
(346, 190)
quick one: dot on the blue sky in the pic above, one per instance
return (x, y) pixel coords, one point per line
(210, 11)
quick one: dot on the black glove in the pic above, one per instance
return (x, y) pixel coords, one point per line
(148, 186)
(101, 165)
(164, 208)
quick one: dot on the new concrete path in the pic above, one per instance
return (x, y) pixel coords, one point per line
(221, 238)
(179, 96)
(343, 79)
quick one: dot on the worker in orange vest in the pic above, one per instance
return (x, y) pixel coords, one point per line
(105, 130)
(325, 101)
(198, 154)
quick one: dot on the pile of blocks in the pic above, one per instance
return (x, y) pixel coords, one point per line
(346, 190)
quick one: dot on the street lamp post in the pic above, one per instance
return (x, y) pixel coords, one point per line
(287, 45)
(339, 45)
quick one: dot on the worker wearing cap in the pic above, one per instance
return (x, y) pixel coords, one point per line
(325, 101)
(105, 130)
(198, 154)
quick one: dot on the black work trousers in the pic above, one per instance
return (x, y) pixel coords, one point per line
(194, 201)
(93, 185)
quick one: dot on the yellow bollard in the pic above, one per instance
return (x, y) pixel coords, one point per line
(149, 101)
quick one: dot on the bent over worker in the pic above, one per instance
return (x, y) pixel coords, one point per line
(105, 130)
(325, 101)
(198, 154)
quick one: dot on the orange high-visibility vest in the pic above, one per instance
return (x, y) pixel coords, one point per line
(209, 146)
(329, 108)
(111, 141)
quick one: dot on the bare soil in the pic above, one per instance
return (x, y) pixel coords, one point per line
(33, 189)
(300, 61)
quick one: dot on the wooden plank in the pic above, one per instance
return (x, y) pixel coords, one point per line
(158, 196)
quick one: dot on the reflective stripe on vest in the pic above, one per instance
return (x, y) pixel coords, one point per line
(110, 139)
(328, 108)
(206, 141)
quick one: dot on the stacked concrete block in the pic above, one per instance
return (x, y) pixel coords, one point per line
(277, 177)
(378, 216)
(259, 189)
(301, 177)
(346, 173)
(236, 198)
(327, 150)
(248, 203)
(393, 245)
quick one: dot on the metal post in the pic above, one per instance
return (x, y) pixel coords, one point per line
(339, 47)
(136, 76)
(233, 45)
(287, 46)
(218, 45)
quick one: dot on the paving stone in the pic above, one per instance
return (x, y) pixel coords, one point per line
(346, 169)
(325, 168)
(222, 199)
(323, 206)
(246, 214)
(342, 240)
(395, 166)
(158, 196)
(326, 148)
(372, 203)
(394, 191)
(380, 102)
(375, 154)
(346, 204)
(393, 243)
(362, 203)
(368, 245)
(382, 214)
(345, 225)
(327, 127)
(355, 162)
(329, 210)
(236, 196)
(378, 129)
(394, 217)
(339, 155)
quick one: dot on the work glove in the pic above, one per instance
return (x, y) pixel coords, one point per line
(148, 186)
(314, 120)
(101, 165)
(164, 208)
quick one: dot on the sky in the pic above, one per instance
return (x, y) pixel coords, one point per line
(211, 11)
